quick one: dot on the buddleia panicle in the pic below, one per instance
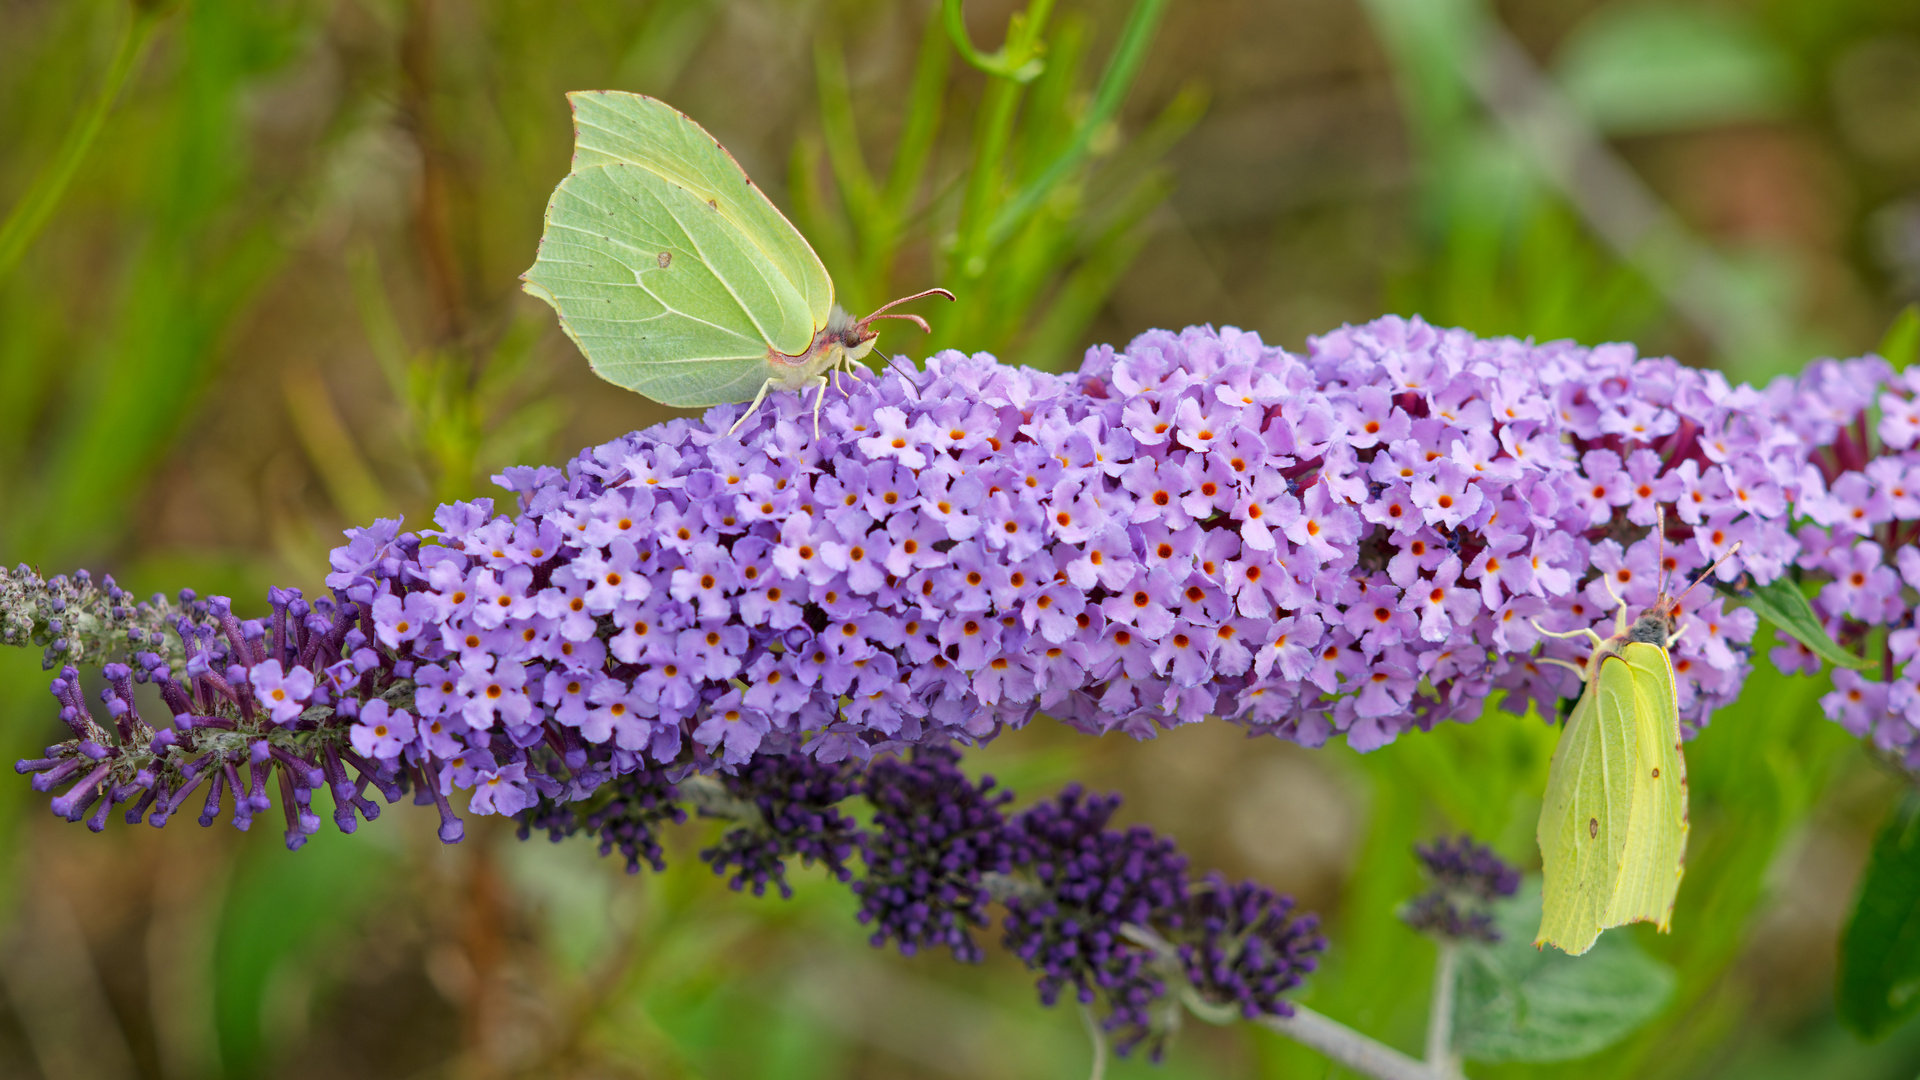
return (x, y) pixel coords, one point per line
(1468, 878)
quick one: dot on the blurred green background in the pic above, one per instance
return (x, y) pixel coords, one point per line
(258, 269)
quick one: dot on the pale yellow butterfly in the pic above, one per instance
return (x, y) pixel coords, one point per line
(1613, 826)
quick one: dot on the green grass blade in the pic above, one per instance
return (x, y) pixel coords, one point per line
(924, 110)
(1018, 60)
(30, 214)
(1135, 38)
(837, 127)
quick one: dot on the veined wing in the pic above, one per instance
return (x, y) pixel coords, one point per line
(1657, 835)
(1583, 824)
(663, 294)
(612, 127)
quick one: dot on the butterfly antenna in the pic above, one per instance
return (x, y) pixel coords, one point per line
(1660, 528)
(1702, 575)
(880, 312)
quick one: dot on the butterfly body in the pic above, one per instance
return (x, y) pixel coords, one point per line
(839, 344)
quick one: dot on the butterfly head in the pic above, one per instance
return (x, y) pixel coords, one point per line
(853, 338)
(1656, 624)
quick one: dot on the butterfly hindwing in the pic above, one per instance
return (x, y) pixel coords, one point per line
(611, 127)
(1582, 831)
(1613, 830)
(663, 295)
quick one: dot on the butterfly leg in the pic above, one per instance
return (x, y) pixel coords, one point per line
(1587, 630)
(751, 409)
(819, 400)
(1608, 585)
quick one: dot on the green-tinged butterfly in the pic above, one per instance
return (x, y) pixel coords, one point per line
(1613, 827)
(675, 275)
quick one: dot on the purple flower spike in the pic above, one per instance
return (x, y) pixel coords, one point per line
(1467, 879)
(1094, 882)
(1361, 540)
(935, 835)
(1251, 946)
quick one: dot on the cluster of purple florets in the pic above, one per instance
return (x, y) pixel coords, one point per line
(1107, 915)
(297, 702)
(936, 837)
(1237, 946)
(1468, 878)
(1859, 535)
(794, 811)
(1246, 946)
(1363, 539)
(1094, 882)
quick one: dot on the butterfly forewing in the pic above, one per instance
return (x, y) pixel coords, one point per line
(611, 127)
(1582, 831)
(662, 295)
(1657, 830)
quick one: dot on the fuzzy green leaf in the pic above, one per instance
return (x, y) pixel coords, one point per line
(1519, 1003)
(1879, 977)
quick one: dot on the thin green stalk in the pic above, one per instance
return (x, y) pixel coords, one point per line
(1017, 59)
(842, 137)
(1135, 38)
(997, 112)
(924, 106)
(1446, 976)
(31, 213)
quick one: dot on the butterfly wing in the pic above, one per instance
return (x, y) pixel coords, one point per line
(1657, 832)
(1583, 821)
(614, 128)
(667, 265)
(664, 296)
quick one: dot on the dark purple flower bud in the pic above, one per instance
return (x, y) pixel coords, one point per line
(1467, 879)
(1093, 883)
(935, 834)
(794, 799)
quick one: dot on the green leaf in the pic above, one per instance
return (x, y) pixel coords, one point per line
(1901, 346)
(1519, 1003)
(1781, 603)
(1879, 977)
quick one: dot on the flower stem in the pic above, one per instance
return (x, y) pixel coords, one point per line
(1446, 975)
(1099, 1069)
(1348, 1047)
